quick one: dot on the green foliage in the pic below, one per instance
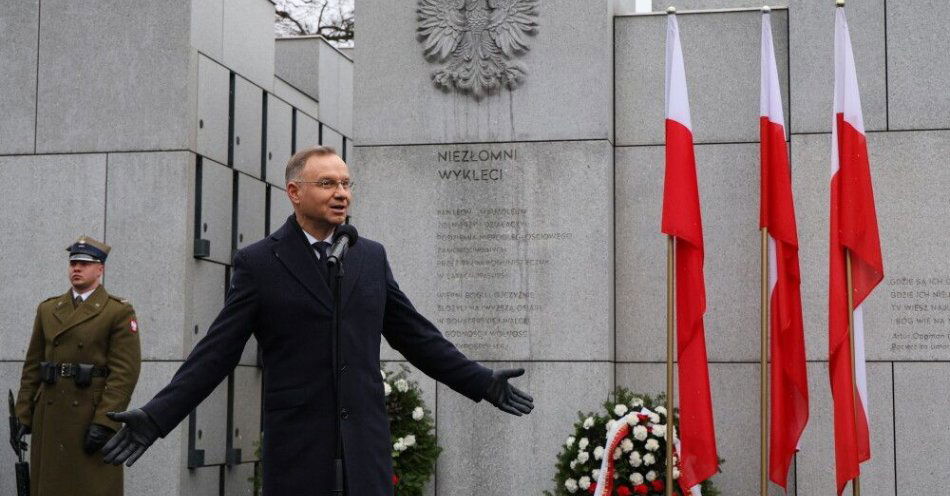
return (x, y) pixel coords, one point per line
(414, 465)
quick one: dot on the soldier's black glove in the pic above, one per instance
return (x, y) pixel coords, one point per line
(506, 397)
(138, 433)
(96, 437)
(16, 439)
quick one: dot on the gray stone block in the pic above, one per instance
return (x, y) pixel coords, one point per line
(201, 481)
(280, 208)
(815, 461)
(236, 480)
(508, 269)
(295, 97)
(307, 133)
(163, 209)
(693, 5)
(335, 76)
(350, 152)
(728, 179)
(207, 29)
(19, 22)
(331, 138)
(46, 221)
(346, 108)
(217, 191)
(279, 138)
(918, 54)
(211, 426)
(125, 61)
(248, 119)
(251, 203)
(722, 76)
(296, 61)
(489, 452)
(246, 433)
(207, 298)
(812, 63)
(248, 32)
(920, 426)
(566, 82)
(213, 89)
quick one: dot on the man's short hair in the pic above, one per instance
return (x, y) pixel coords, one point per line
(296, 163)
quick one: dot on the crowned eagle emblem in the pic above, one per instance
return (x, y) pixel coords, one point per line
(475, 40)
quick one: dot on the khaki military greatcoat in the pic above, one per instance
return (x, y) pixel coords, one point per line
(102, 331)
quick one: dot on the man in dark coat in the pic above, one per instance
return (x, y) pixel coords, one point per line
(279, 292)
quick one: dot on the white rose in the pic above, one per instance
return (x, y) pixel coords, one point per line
(387, 388)
(595, 474)
(399, 445)
(654, 418)
(636, 402)
(598, 452)
(635, 459)
(639, 432)
(620, 409)
(409, 440)
(633, 420)
(569, 442)
(651, 476)
(570, 485)
(584, 482)
(661, 410)
(583, 456)
(617, 453)
(636, 479)
(582, 444)
(676, 473)
(659, 430)
(402, 386)
(418, 413)
(652, 445)
(573, 464)
(610, 424)
(588, 422)
(649, 459)
(626, 445)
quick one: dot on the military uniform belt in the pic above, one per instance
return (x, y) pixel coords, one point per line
(82, 373)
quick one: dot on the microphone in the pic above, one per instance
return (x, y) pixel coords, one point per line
(344, 238)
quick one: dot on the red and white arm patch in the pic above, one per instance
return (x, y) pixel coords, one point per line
(134, 325)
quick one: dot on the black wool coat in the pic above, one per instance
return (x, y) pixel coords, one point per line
(278, 294)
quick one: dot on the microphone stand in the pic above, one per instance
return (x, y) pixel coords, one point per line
(336, 279)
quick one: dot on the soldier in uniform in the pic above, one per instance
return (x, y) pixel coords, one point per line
(83, 361)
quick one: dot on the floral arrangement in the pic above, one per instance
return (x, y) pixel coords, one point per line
(415, 449)
(640, 457)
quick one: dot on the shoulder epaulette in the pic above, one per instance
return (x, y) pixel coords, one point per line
(120, 299)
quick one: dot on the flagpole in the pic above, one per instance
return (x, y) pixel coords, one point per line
(670, 429)
(856, 483)
(763, 366)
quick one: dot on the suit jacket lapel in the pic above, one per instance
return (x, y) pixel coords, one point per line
(89, 309)
(64, 307)
(297, 257)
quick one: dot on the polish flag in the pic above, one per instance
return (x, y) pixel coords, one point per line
(789, 382)
(682, 220)
(854, 231)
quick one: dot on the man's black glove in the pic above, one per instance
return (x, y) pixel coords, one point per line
(138, 433)
(506, 397)
(16, 438)
(96, 436)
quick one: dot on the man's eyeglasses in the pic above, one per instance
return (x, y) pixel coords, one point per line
(330, 184)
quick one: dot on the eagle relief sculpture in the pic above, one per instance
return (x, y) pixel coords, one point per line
(475, 41)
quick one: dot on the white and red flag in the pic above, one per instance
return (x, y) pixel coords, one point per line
(853, 231)
(788, 381)
(682, 220)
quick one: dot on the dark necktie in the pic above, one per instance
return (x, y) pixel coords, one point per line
(322, 247)
(77, 301)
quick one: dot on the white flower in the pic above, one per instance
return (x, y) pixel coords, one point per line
(636, 402)
(676, 473)
(652, 445)
(399, 445)
(633, 420)
(661, 410)
(649, 459)
(402, 386)
(383, 372)
(636, 479)
(654, 418)
(659, 431)
(635, 459)
(584, 482)
(570, 485)
(595, 474)
(418, 413)
(569, 442)
(620, 409)
(588, 422)
(651, 476)
(409, 440)
(583, 456)
(610, 424)
(573, 464)
(639, 432)
(626, 445)
(598, 452)
(582, 444)
(617, 453)
(387, 388)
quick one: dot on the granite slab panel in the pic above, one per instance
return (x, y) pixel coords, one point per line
(344, 122)
(137, 218)
(279, 139)
(19, 23)
(721, 52)
(201, 481)
(207, 27)
(217, 191)
(280, 208)
(397, 102)
(295, 97)
(693, 5)
(47, 216)
(124, 60)
(922, 434)
(331, 138)
(211, 427)
(207, 298)
(236, 480)
(296, 61)
(246, 430)
(335, 76)
(307, 132)
(250, 210)
(213, 101)
(248, 122)
(509, 257)
(248, 39)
